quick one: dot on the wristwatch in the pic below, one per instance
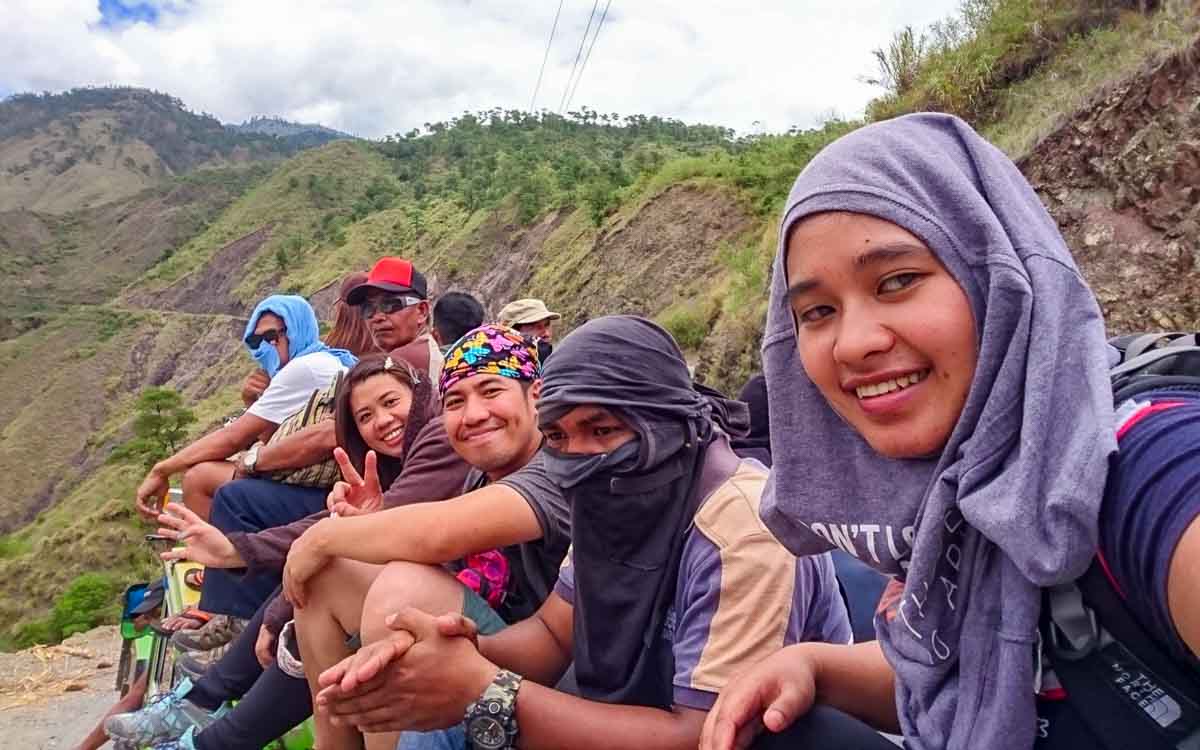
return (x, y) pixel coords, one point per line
(250, 459)
(491, 720)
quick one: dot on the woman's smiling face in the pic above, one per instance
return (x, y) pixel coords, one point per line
(884, 331)
(380, 405)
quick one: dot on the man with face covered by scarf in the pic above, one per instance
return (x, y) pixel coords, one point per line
(283, 337)
(671, 584)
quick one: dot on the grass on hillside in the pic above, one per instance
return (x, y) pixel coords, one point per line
(962, 63)
(67, 400)
(1028, 110)
(77, 262)
(294, 201)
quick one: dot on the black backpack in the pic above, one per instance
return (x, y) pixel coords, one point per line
(1124, 689)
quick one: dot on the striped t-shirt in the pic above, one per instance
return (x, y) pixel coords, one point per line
(740, 596)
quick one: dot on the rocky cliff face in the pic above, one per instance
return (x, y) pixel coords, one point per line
(1122, 179)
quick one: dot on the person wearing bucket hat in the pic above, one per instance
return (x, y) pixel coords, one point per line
(529, 316)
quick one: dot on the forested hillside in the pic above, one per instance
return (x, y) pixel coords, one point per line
(594, 212)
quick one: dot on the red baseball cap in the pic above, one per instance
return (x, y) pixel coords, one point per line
(391, 274)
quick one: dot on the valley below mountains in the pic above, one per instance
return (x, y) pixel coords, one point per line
(136, 235)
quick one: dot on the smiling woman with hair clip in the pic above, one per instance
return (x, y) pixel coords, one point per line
(389, 437)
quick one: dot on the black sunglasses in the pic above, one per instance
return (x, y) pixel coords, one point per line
(386, 305)
(270, 336)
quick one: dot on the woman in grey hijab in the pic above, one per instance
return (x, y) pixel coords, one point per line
(941, 410)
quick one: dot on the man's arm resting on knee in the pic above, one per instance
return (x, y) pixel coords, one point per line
(311, 445)
(432, 533)
(215, 446)
(540, 647)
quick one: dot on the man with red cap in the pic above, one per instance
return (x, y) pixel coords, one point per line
(394, 302)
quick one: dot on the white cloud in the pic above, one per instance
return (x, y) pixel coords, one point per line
(378, 66)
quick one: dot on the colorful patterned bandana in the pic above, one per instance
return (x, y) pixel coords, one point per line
(490, 350)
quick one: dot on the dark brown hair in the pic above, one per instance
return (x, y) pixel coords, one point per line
(348, 436)
(350, 331)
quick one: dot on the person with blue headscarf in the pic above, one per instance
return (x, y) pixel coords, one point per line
(282, 336)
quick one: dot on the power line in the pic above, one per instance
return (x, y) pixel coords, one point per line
(545, 57)
(588, 56)
(563, 102)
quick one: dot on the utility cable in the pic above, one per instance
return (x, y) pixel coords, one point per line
(588, 56)
(563, 102)
(545, 57)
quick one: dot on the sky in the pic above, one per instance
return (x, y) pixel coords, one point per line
(377, 67)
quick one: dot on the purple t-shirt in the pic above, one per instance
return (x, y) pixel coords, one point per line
(740, 595)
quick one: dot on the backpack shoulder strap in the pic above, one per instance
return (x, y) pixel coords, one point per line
(1154, 360)
(1123, 685)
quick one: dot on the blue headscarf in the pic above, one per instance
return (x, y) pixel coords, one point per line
(302, 332)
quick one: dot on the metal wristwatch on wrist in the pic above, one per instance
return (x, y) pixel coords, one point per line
(491, 720)
(250, 459)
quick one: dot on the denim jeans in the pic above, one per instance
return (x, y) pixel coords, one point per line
(252, 505)
(454, 738)
(823, 727)
(270, 704)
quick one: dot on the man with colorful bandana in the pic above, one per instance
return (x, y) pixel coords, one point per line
(490, 389)
(671, 584)
(489, 383)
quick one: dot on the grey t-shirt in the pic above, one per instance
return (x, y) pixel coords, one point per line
(534, 565)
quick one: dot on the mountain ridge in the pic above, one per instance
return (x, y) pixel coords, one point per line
(593, 213)
(87, 146)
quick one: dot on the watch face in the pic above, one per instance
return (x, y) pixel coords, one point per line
(487, 733)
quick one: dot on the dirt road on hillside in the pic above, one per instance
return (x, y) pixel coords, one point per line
(51, 697)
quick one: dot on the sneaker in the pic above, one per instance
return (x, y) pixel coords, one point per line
(195, 663)
(218, 631)
(167, 717)
(186, 741)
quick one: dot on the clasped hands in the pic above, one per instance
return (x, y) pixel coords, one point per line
(420, 678)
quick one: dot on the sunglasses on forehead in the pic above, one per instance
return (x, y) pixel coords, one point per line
(270, 336)
(386, 305)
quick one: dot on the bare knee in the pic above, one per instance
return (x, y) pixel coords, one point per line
(338, 591)
(406, 584)
(201, 482)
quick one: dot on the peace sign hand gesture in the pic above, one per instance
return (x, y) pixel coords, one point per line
(203, 542)
(355, 495)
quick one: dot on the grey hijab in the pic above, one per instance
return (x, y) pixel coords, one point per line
(1011, 504)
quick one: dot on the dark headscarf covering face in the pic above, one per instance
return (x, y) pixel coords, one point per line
(756, 443)
(628, 520)
(1011, 504)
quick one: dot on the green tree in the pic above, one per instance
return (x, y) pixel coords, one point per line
(600, 196)
(89, 600)
(159, 427)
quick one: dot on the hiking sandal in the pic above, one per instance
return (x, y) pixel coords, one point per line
(189, 619)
